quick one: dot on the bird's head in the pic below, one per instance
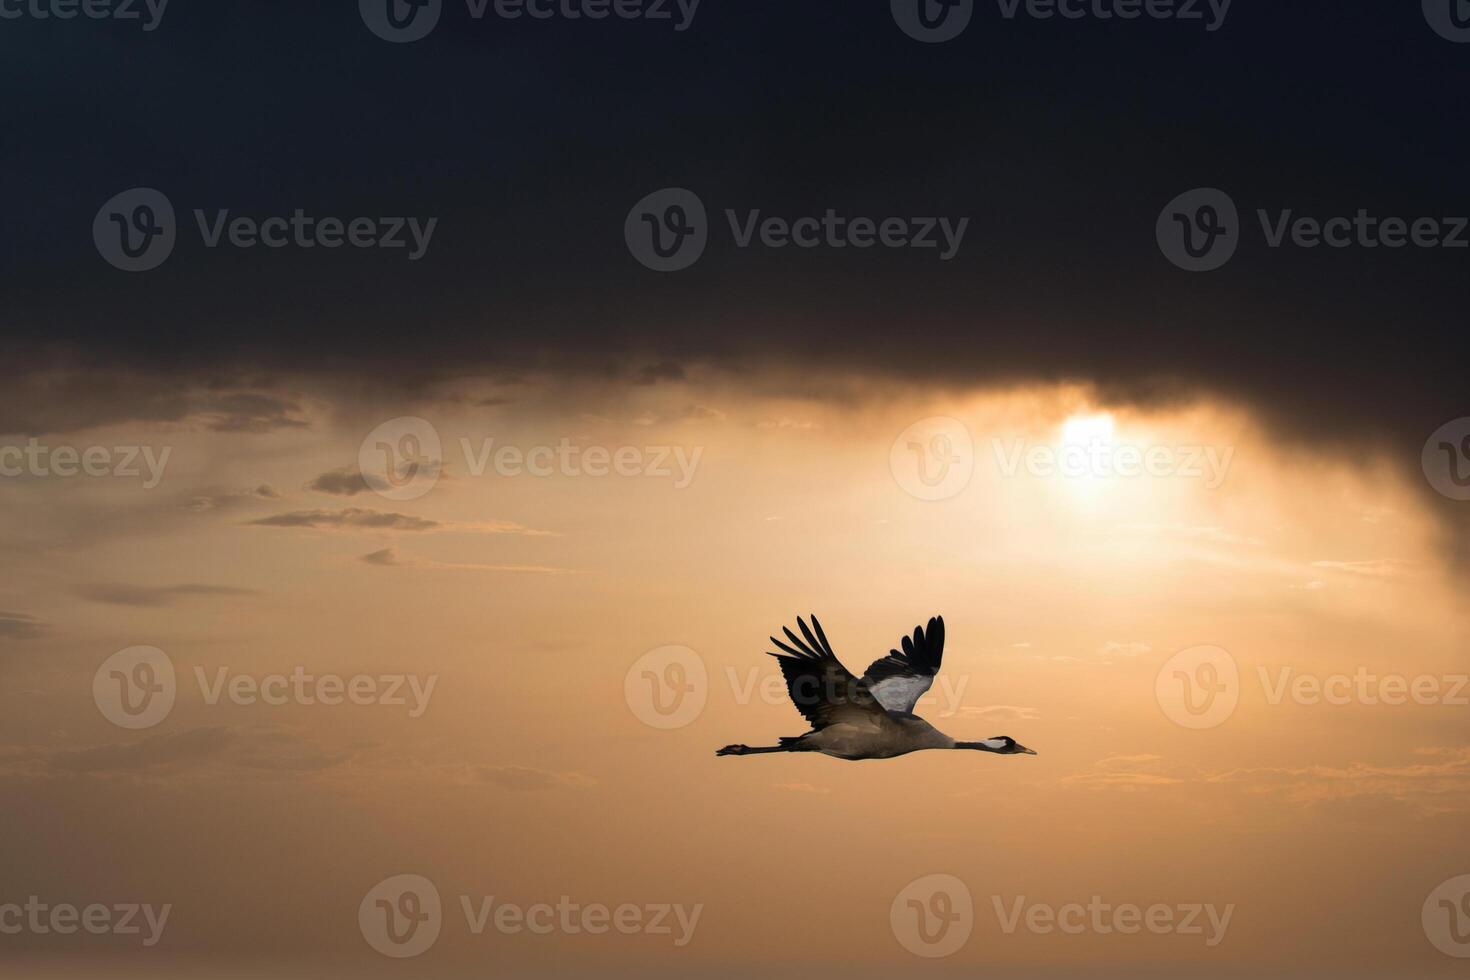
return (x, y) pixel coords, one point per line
(1000, 745)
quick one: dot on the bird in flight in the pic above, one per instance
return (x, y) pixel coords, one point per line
(871, 717)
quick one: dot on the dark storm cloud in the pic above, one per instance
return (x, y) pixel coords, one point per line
(58, 390)
(1060, 141)
(652, 374)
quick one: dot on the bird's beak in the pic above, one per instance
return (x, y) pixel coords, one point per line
(1028, 751)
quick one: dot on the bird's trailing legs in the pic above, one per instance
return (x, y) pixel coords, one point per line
(748, 750)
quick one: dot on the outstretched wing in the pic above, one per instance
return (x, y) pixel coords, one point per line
(821, 688)
(901, 678)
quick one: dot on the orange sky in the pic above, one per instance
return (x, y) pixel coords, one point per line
(528, 774)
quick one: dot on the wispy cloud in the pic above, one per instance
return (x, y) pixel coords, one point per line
(250, 412)
(516, 778)
(121, 594)
(20, 626)
(1117, 648)
(347, 481)
(197, 750)
(389, 558)
(229, 499)
(801, 788)
(1436, 781)
(366, 519)
(1374, 568)
(1002, 712)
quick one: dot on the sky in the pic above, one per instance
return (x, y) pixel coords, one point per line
(457, 559)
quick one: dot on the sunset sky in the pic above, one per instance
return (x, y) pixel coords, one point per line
(529, 775)
(537, 503)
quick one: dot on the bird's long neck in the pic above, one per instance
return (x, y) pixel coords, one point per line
(984, 745)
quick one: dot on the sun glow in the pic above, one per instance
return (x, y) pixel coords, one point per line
(1084, 430)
